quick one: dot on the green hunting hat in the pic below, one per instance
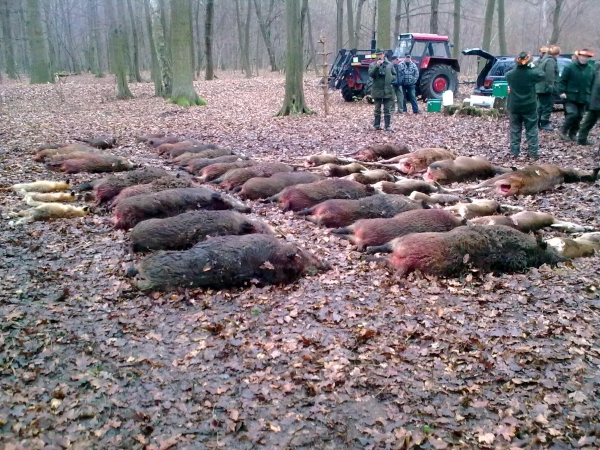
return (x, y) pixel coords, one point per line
(378, 51)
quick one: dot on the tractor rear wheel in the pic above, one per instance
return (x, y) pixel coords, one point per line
(437, 79)
(347, 93)
(367, 91)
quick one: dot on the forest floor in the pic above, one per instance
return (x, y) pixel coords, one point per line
(352, 358)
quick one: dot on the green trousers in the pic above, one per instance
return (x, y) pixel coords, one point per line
(399, 94)
(589, 120)
(388, 104)
(573, 115)
(517, 122)
(545, 103)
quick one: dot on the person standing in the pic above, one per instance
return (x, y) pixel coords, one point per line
(575, 86)
(593, 113)
(383, 73)
(397, 85)
(546, 88)
(522, 105)
(410, 76)
(543, 51)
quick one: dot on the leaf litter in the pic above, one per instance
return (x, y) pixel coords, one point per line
(351, 358)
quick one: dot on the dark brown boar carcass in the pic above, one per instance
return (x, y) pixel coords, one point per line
(237, 177)
(169, 203)
(493, 248)
(185, 230)
(227, 261)
(339, 213)
(377, 232)
(263, 187)
(107, 188)
(302, 196)
(160, 184)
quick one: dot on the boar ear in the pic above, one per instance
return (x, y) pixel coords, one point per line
(68, 181)
(86, 208)
(291, 255)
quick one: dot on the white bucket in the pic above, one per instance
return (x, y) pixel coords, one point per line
(447, 98)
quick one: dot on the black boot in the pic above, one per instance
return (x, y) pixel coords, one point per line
(388, 127)
(377, 123)
(545, 126)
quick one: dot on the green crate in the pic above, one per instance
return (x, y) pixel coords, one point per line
(434, 105)
(500, 89)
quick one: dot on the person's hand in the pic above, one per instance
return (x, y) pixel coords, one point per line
(563, 95)
(379, 62)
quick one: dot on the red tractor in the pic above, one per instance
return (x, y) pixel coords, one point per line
(431, 52)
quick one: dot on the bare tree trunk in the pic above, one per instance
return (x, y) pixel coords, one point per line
(118, 51)
(357, 27)
(247, 40)
(165, 53)
(556, 22)
(7, 39)
(502, 27)
(350, 19)
(311, 43)
(243, 39)
(339, 24)
(40, 65)
(384, 23)
(155, 68)
(456, 30)
(488, 24)
(183, 93)
(407, 12)
(434, 18)
(135, 48)
(294, 102)
(198, 45)
(265, 30)
(397, 18)
(98, 44)
(208, 38)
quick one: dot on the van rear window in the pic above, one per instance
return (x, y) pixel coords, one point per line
(500, 68)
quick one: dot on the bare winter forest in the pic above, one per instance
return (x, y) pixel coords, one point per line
(107, 342)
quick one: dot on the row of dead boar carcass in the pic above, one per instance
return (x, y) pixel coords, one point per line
(358, 195)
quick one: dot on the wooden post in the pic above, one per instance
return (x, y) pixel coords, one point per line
(325, 72)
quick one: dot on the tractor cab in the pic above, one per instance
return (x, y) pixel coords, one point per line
(431, 53)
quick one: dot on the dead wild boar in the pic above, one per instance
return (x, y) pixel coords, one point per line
(216, 170)
(227, 261)
(93, 163)
(160, 184)
(371, 176)
(334, 170)
(377, 232)
(107, 188)
(380, 151)
(42, 154)
(101, 142)
(532, 180)
(262, 187)
(493, 248)
(155, 142)
(419, 160)
(237, 177)
(585, 245)
(340, 212)
(185, 230)
(195, 165)
(169, 203)
(302, 196)
(201, 151)
(406, 187)
(461, 169)
(528, 221)
(324, 158)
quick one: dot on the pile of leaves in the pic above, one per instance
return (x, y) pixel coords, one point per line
(351, 358)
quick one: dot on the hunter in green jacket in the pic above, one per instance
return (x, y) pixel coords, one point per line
(575, 85)
(383, 74)
(593, 113)
(546, 88)
(522, 104)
